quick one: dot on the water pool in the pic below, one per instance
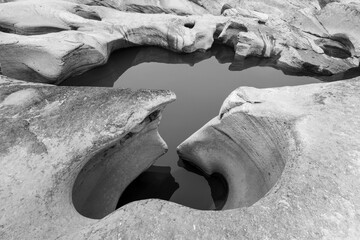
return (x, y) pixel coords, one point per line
(201, 82)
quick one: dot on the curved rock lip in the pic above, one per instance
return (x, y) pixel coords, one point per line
(48, 134)
(289, 155)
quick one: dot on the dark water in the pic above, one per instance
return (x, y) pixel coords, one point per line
(201, 82)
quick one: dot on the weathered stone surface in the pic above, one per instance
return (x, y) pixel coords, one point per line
(51, 40)
(306, 137)
(301, 145)
(48, 41)
(66, 147)
(295, 36)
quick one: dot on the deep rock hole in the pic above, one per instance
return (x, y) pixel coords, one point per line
(189, 25)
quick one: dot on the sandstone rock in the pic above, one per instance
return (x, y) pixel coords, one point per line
(292, 150)
(66, 151)
(343, 30)
(297, 36)
(179, 7)
(290, 155)
(306, 137)
(49, 41)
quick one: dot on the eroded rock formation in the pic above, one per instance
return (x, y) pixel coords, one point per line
(294, 148)
(290, 155)
(48, 41)
(65, 147)
(301, 145)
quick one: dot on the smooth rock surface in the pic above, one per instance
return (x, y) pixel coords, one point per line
(301, 145)
(48, 41)
(65, 150)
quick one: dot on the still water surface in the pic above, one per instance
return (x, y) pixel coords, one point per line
(201, 82)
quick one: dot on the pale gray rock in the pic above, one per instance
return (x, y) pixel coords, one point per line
(300, 37)
(290, 155)
(345, 29)
(179, 7)
(64, 149)
(306, 137)
(291, 158)
(49, 41)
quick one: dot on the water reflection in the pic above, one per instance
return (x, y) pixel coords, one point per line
(201, 81)
(122, 60)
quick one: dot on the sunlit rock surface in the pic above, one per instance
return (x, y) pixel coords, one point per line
(50, 40)
(66, 151)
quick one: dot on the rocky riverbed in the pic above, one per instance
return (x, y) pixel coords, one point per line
(290, 155)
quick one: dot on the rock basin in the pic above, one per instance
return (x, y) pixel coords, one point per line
(201, 82)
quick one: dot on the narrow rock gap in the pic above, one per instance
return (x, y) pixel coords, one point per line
(104, 177)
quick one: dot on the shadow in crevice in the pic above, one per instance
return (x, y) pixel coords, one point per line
(349, 74)
(156, 182)
(218, 185)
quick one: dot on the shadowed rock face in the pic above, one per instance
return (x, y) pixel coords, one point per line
(104, 178)
(49, 41)
(155, 182)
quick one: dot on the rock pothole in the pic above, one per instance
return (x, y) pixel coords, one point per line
(105, 176)
(247, 151)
